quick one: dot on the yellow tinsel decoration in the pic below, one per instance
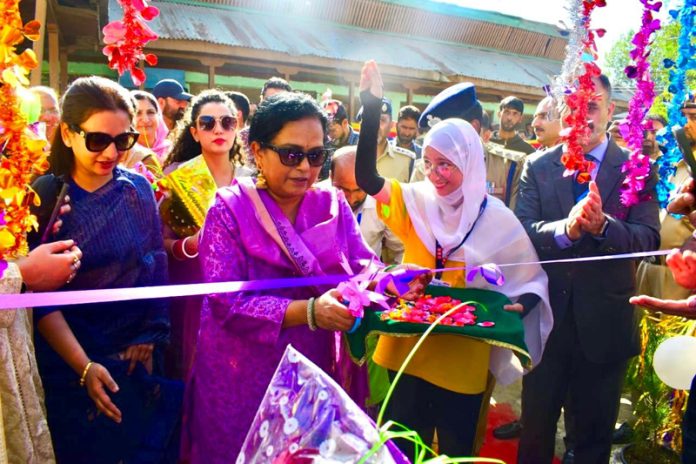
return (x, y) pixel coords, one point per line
(23, 156)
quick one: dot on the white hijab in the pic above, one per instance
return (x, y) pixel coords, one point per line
(497, 237)
(449, 218)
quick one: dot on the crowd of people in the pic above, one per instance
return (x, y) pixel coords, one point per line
(165, 187)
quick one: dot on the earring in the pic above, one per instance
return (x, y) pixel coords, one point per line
(261, 180)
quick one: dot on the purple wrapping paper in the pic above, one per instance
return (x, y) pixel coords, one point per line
(305, 417)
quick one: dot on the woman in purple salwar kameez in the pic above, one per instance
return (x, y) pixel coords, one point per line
(283, 226)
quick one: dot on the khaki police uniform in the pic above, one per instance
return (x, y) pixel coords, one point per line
(653, 276)
(502, 183)
(396, 163)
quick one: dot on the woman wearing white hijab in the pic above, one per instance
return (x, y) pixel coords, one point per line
(448, 220)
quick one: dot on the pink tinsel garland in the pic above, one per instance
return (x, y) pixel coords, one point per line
(637, 168)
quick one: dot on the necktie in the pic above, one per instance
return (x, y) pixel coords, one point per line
(580, 190)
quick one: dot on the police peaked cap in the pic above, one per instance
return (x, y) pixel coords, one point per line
(458, 101)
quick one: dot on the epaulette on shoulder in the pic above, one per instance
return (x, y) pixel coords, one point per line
(499, 150)
(403, 151)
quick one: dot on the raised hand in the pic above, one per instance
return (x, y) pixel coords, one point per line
(371, 79)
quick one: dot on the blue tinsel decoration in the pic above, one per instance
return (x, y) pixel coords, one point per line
(686, 60)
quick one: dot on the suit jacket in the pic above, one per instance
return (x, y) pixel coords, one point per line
(597, 292)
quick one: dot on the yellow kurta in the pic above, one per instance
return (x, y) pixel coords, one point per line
(449, 361)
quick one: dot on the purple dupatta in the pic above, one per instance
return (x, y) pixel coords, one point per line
(351, 377)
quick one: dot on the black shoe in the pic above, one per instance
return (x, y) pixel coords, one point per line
(568, 457)
(508, 431)
(623, 434)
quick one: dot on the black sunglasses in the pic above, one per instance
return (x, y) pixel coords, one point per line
(207, 123)
(99, 141)
(294, 156)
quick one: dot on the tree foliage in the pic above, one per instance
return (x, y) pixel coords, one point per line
(663, 47)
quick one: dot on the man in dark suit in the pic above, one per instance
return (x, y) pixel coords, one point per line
(595, 327)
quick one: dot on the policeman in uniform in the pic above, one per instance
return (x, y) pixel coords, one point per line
(392, 162)
(459, 101)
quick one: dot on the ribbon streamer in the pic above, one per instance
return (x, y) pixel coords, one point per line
(36, 300)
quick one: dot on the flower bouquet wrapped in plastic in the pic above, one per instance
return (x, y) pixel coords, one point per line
(305, 417)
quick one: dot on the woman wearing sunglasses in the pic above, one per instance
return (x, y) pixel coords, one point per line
(202, 160)
(282, 226)
(99, 361)
(449, 221)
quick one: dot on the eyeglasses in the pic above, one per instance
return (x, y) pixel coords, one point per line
(99, 141)
(207, 123)
(294, 156)
(443, 169)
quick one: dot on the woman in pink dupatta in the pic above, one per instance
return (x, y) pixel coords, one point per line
(151, 126)
(283, 226)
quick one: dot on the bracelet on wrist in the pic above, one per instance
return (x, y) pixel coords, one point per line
(311, 319)
(183, 249)
(177, 250)
(83, 377)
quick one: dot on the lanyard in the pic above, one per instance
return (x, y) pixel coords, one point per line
(440, 257)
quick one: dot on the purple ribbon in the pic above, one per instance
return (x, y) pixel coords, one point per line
(37, 300)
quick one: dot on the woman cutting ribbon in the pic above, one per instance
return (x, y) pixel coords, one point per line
(448, 221)
(281, 226)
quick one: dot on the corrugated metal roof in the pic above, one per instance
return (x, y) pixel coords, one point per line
(424, 18)
(298, 37)
(494, 17)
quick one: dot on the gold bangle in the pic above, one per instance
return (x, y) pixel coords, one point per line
(83, 377)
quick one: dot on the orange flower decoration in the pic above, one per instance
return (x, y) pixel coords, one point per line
(22, 151)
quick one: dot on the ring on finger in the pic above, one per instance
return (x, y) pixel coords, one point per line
(76, 259)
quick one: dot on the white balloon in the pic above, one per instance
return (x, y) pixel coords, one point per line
(675, 361)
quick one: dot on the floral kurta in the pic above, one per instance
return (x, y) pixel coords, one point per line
(241, 339)
(23, 420)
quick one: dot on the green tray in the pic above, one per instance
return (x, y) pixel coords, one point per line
(508, 331)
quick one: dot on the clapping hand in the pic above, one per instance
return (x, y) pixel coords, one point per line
(591, 218)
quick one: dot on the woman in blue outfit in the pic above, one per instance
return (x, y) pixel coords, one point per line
(99, 362)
